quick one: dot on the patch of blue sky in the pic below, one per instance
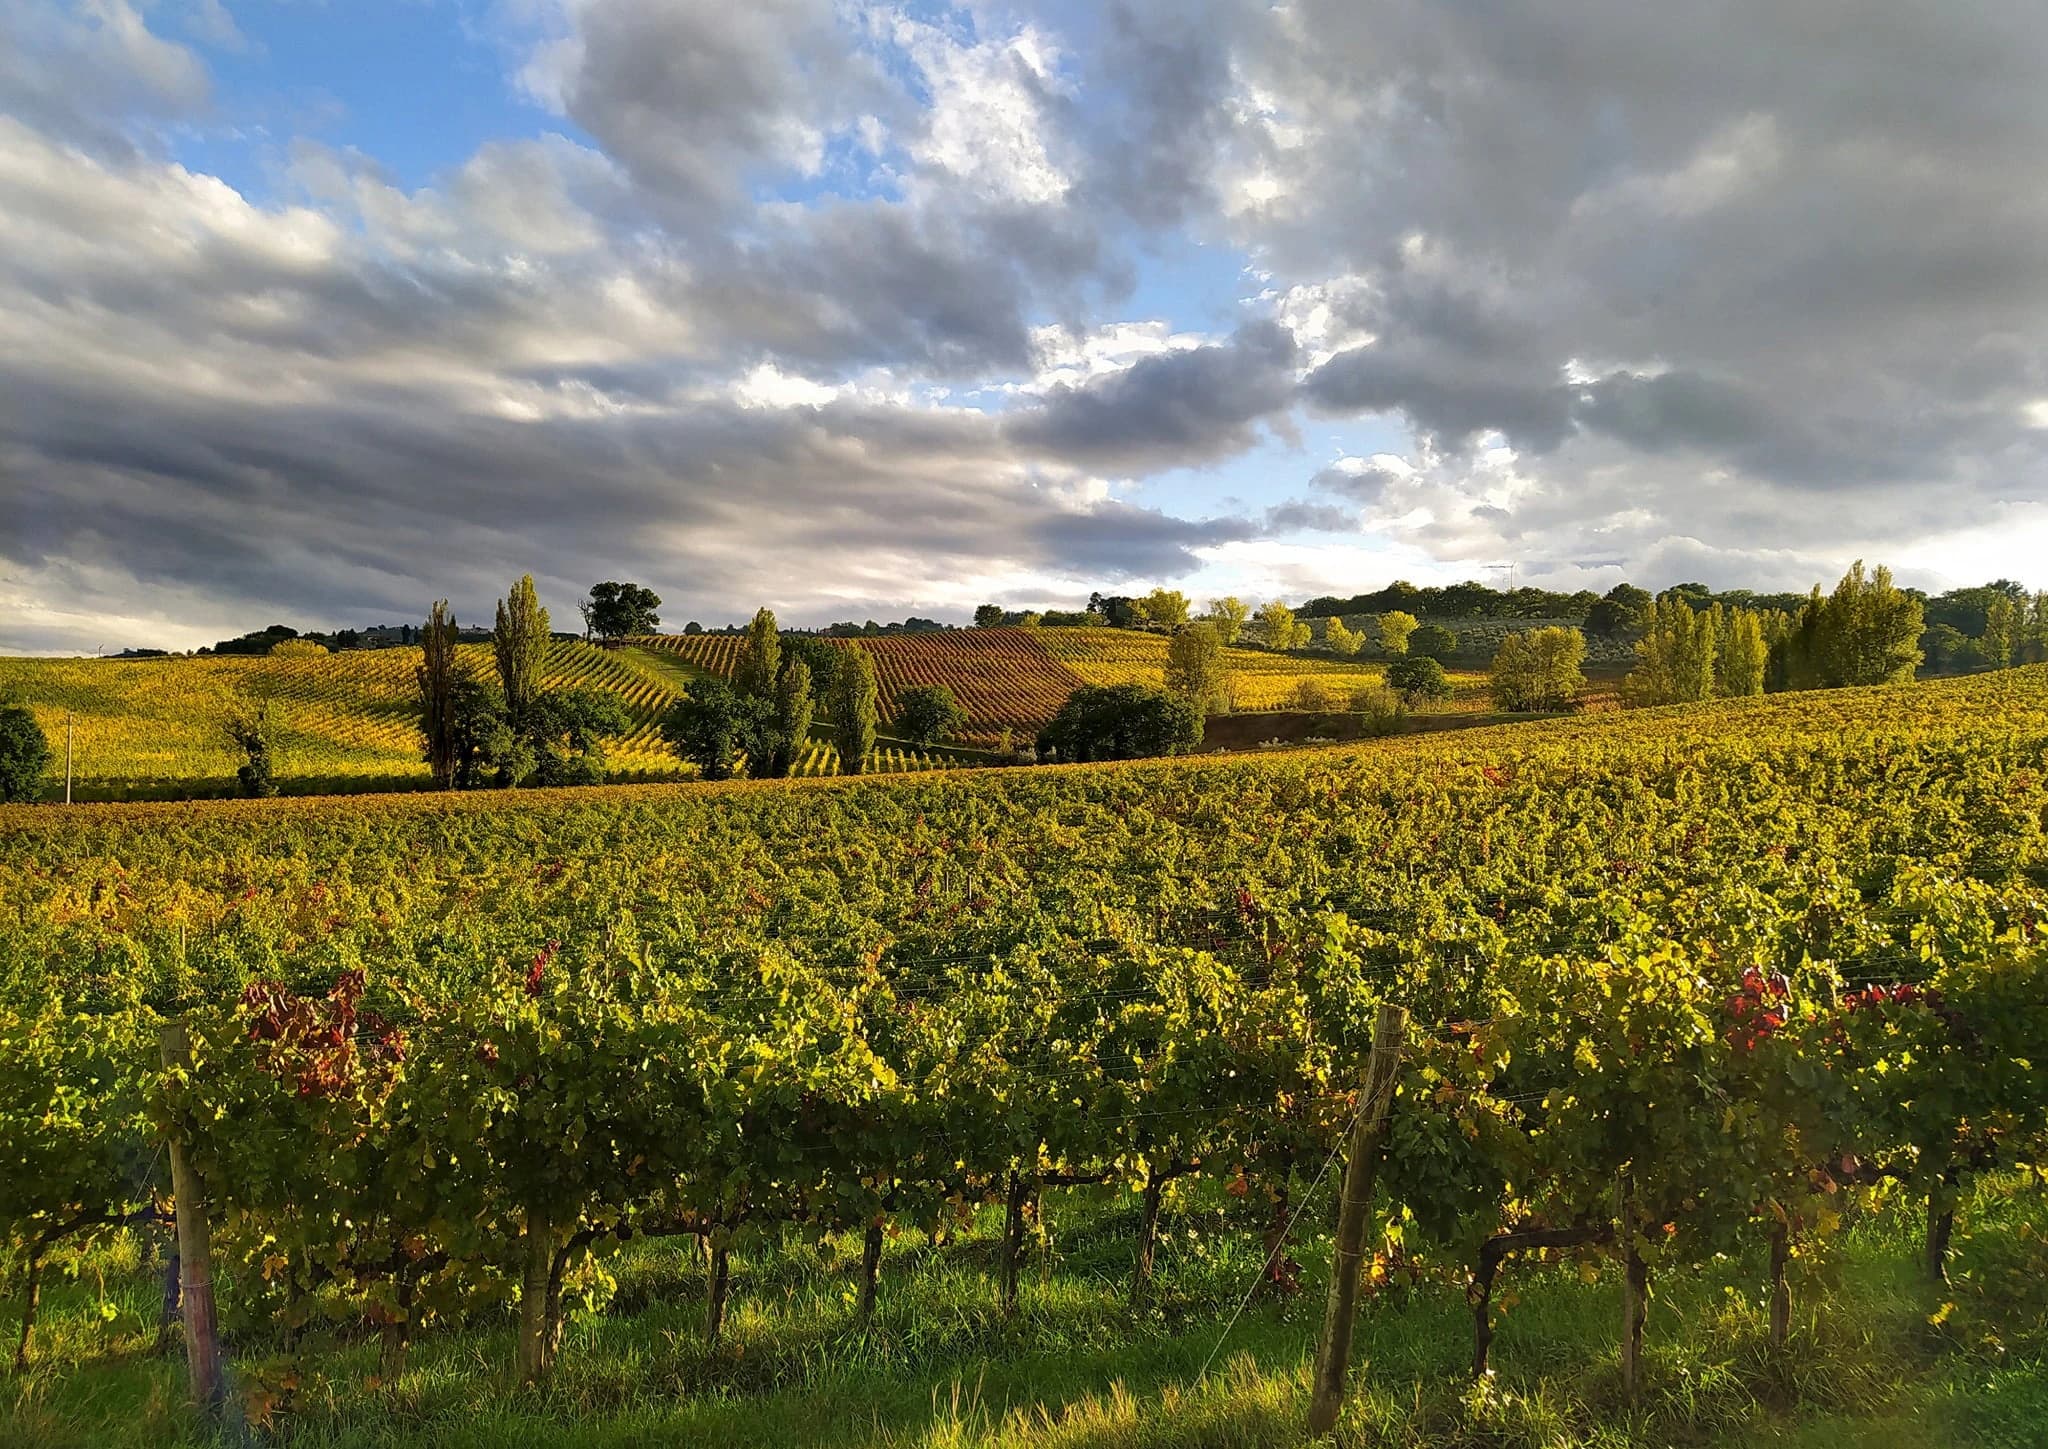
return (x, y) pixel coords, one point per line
(417, 86)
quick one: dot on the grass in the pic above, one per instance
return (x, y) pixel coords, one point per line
(940, 1368)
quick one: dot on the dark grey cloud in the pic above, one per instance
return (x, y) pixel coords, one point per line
(1170, 409)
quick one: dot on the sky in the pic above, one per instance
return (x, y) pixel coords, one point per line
(316, 312)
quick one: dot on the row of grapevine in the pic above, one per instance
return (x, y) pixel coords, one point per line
(1753, 960)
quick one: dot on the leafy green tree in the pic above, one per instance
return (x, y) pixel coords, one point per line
(794, 708)
(1344, 642)
(988, 616)
(1868, 631)
(254, 733)
(567, 730)
(1620, 613)
(854, 709)
(1433, 641)
(1739, 664)
(615, 610)
(760, 662)
(298, 649)
(24, 755)
(1229, 614)
(1396, 626)
(1539, 669)
(1197, 670)
(1163, 608)
(520, 643)
(821, 658)
(1419, 679)
(712, 724)
(1675, 655)
(1999, 644)
(1120, 722)
(929, 713)
(438, 674)
(1279, 629)
(482, 747)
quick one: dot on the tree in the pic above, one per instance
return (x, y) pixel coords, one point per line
(1229, 615)
(1120, 722)
(1675, 655)
(760, 662)
(1279, 629)
(1999, 643)
(24, 755)
(853, 709)
(438, 675)
(1538, 669)
(1743, 654)
(1343, 641)
(1197, 669)
(1418, 678)
(1396, 626)
(566, 731)
(793, 710)
(929, 713)
(482, 747)
(520, 642)
(615, 610)
(820, 658)
(253, 733)
(1868, 631)
(1163, 608)
(988, 616)
(1433, 641)
(298, 649)
(712, 724)
(1620, 612)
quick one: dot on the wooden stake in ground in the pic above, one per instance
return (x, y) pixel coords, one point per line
(195, 1254)
(1361, 1177)
(1635, 1283)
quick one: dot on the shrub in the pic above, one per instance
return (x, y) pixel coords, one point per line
(1382, 711)
(1312, 696)
(24, 755)
(1433, 641)
(1418, 678)
(1120, 722)
(929, 713)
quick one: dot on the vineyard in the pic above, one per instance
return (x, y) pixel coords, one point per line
(347, 722)
(1015, 679)
(1677, 989)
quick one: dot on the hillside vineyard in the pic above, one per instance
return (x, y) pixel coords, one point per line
(1745, 958)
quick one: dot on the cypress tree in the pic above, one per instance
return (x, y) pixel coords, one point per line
(437, 676)
(793, 710)
(853, 709)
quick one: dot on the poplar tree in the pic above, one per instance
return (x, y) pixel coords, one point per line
(793, 711)
(1743, 654)
(438, 677)
(853, 709)
(760, 662)
(1195, 668)
(520, 643)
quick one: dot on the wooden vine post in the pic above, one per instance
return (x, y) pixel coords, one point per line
(195, 1252)
(1361, 1178)
(1635, 1284)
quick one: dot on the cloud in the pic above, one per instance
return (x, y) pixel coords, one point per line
(1170, 409)
(855, 306)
